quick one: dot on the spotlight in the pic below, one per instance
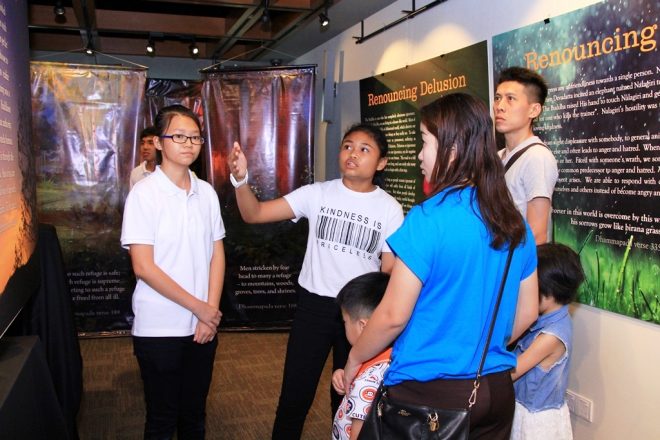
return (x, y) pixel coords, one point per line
(324, 19)
(59, 10)
(89, 50)
(194, 50)
(265, 17)
(151, 47)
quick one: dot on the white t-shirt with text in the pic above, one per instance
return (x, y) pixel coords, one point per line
(347, 232)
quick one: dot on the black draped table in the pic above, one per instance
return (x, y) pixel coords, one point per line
(48, 314)
(28, 404)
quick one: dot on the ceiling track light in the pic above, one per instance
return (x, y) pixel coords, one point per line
(324, 19)
(151, 47)
(194, 49)
(59, 10)
(265, 16)
(60, 13)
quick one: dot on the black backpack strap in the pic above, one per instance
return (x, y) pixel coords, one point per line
(520, 153)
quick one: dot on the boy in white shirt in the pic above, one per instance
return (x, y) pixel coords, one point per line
(147, 154)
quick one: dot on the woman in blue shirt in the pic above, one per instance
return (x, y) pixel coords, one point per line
(451, 252)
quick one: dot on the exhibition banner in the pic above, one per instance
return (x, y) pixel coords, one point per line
(85, 127)
(271, 113)
(392, 101)
(19, 269)
(602, 122)
(161, 93)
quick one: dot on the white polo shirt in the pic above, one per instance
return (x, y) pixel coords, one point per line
(182, 228)
(139, 173)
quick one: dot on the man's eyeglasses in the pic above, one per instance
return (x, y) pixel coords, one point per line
(182, 139)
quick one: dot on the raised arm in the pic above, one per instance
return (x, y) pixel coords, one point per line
(142, 258)
(252, 210)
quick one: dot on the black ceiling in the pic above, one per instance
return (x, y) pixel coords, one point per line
(242, 30)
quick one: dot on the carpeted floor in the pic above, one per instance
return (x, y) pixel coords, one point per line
(246, 382)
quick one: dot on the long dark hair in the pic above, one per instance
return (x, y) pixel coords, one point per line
(163, 119)
(379, 138)
(464, 129)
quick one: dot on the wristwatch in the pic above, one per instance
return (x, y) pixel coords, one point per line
(238, 183)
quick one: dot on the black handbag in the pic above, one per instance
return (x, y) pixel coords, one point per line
(391, 420)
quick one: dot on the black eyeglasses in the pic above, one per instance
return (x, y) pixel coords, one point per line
(182, 139)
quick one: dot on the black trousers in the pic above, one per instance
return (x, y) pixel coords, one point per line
(491, 417)
(317, 327)
(176, 372)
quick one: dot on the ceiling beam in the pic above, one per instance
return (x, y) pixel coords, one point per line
(294, 5)
(242, 25)
(223, 29)
(285, 30)
(147, 22)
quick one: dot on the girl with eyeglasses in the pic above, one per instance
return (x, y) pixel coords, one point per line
(173, 229)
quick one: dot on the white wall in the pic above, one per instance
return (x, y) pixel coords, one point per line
(614, 357)
(615, 361)
(445, 28)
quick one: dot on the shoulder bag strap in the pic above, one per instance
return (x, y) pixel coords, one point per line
(473, 397)
(520, 153)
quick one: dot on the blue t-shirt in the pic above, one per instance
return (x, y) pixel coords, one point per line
(540, 389)
(447, 246)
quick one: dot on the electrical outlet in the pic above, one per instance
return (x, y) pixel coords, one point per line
(580, 405)
(570, 401)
